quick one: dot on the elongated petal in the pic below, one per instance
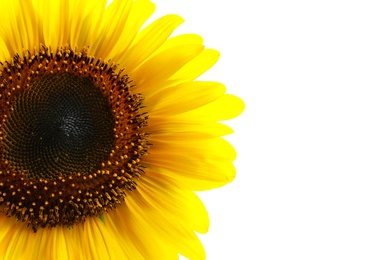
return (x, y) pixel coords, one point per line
(165, 128)
(183, 98)
(224, 108)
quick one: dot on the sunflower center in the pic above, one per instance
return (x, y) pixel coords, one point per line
(61, 125)
(71, 137)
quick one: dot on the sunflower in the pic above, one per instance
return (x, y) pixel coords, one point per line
(104, 132)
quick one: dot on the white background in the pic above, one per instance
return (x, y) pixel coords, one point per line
(314, 141)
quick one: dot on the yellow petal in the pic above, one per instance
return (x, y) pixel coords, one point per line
(160, 67)
(134, 229)
(4, 53)
(113, 23)
(178, 40)
(195, 174)
(164, 128)
(217, 149)
(164, 227)
(87, 24)
(179, 204)
(184, 97)
(197, 66)
(224, 108)
(9, 26)
(200, 164)
(150, 39)
(140, 11)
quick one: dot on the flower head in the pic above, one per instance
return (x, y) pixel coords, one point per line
(104, 132)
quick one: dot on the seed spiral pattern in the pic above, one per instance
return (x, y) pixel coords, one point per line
(61, 125)
(71, 137)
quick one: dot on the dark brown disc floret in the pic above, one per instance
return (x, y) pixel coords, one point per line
(71, 137)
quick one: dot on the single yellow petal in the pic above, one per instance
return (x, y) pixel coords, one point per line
(178, 40)
(197, 66)
(226, 107)
(168, 129)
(217, 149)
(184, 97)
(4, 53)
